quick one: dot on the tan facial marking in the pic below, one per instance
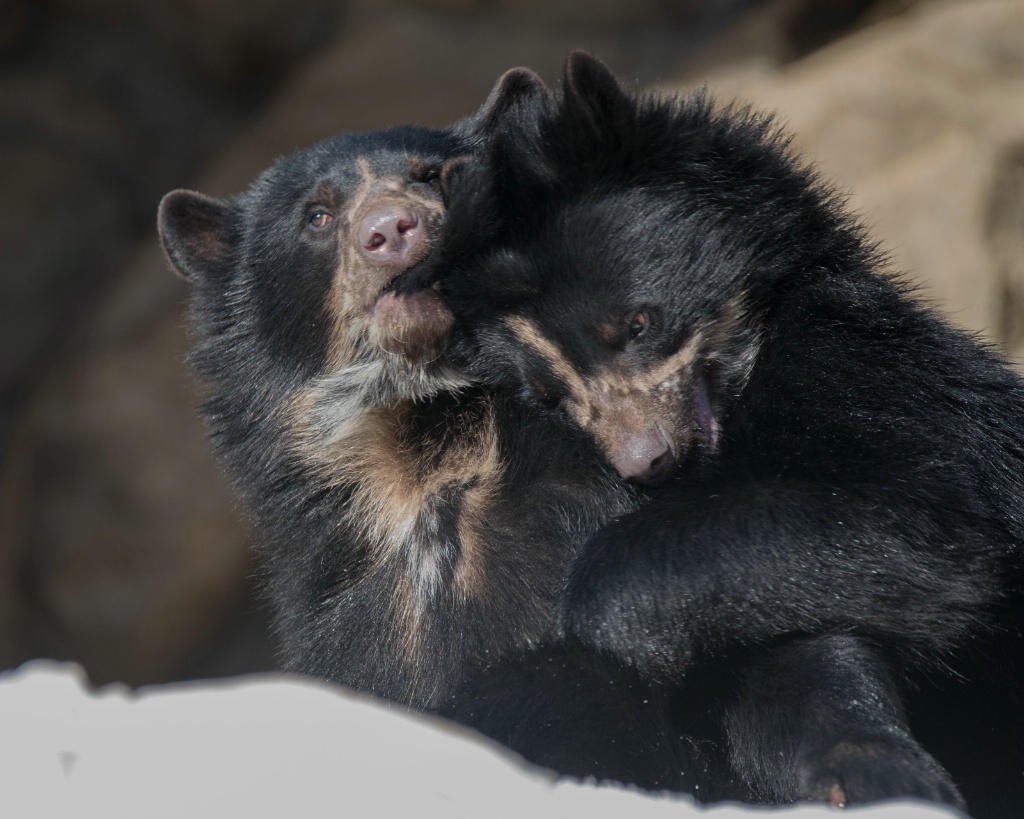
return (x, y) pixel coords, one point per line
(626, 402)
(672, 366)
(530, 335)
(615, 398)
(628, 409)
(359, 280)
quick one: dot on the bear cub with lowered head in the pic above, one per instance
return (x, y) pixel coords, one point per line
(831, 457)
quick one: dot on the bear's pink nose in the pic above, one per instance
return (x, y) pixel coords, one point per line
(390, 233)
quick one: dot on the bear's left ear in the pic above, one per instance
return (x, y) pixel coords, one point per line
(195, 232)
(517, 93)
(511, 119)
(510, 131)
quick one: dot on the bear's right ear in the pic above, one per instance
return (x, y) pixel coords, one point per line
(195, 232)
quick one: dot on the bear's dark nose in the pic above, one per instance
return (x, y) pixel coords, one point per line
(646, 457)
(390, 233)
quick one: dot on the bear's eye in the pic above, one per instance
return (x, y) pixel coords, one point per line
(638, 325)
(428, 174)
(319, 219)
(548, 398)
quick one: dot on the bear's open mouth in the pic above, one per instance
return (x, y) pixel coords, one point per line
(414, 324)
(704, 414)
(410, 316)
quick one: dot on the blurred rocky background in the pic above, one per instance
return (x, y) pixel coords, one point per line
(120, 546)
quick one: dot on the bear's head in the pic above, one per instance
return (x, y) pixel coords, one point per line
(304, 260)
(325, 263)
(641, 243)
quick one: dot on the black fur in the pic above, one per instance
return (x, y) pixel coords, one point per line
(848, 464)
(418, 528)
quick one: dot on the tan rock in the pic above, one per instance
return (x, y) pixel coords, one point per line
(921, 119)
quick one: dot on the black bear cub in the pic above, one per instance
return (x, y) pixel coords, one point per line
(304, 344)
(825, 454)
(411, 532)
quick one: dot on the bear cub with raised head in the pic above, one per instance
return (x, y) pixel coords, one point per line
(387, 489)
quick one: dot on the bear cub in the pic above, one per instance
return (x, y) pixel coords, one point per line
(388, 489)
(825, 455)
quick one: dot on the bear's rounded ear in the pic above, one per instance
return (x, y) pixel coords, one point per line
(196, 233)
(517, 89)
(592, 91)
(508, 127)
